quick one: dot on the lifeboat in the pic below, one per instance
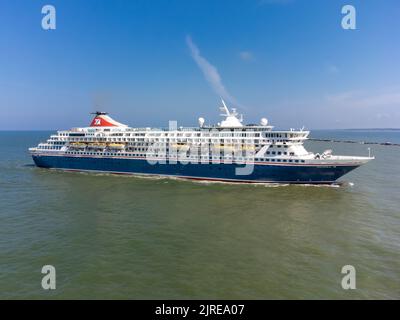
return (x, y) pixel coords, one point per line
(78, 145)
(232, 147)
(118, 146)
(180, 146)
(97, 145)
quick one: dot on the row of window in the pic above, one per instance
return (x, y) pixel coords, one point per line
(283, 135)
(144, 150)
(202, 157)
(280, 160)
(50, 147)
(170, 134)
(280, 153)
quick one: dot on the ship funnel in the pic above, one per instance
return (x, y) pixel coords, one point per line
(102, 119)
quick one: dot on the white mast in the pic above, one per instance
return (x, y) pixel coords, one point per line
(224, 108)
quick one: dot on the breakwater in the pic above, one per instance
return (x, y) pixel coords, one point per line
(359, 142)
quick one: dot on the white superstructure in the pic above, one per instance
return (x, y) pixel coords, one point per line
(230, 140)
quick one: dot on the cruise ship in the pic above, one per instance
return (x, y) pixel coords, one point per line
(228, 151)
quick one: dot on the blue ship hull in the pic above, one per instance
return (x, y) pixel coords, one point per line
(262, 173)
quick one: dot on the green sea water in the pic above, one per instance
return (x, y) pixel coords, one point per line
(126, 237)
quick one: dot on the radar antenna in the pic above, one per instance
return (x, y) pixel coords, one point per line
(99, 113)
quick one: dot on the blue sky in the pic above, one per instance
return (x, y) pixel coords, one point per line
(147, 62)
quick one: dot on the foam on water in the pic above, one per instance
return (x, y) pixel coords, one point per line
(196, 181)
(337, 184)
